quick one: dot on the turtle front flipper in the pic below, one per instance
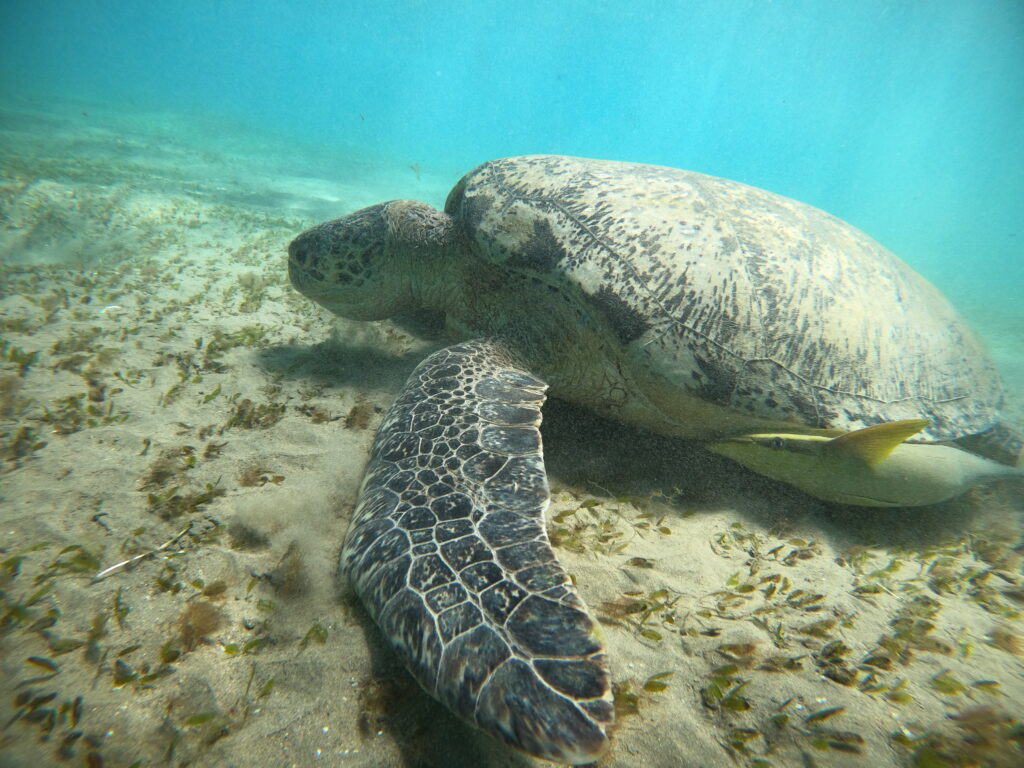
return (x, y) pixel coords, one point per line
(449, 553)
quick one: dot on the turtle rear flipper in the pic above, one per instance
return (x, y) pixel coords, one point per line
(449, 553)
(999, 443)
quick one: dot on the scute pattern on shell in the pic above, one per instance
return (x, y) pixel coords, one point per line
(449, 553)
(751, 300)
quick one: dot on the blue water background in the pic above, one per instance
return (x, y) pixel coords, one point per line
(904, 118)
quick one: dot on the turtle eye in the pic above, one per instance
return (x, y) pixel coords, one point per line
(778, 442)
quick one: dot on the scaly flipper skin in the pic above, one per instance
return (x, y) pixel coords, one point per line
(449, 553)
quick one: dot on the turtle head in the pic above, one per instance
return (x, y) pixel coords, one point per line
(372, 263)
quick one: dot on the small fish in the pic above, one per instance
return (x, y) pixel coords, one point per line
(873, 467)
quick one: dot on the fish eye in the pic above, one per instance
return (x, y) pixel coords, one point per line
(778, 442)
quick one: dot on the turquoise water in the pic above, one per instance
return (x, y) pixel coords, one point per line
(903, 118)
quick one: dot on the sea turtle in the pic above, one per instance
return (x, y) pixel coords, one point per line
(686, 304)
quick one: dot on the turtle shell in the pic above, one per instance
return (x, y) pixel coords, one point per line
(746, 299)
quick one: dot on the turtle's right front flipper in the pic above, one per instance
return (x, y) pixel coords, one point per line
(449, 553)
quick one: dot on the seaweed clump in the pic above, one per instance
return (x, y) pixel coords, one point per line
(198, 621)
(245, 537)
(981, 736)
(249, 415)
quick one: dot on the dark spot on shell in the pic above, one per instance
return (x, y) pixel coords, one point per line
(541, 252)
(469, 210)
(627, 323)
(718, 384)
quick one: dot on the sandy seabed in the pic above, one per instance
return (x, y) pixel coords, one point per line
(164, 391)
